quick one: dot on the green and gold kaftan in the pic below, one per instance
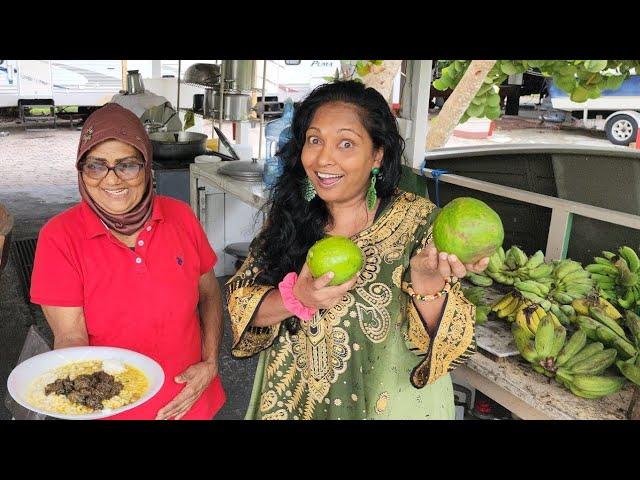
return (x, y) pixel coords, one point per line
(368, 357)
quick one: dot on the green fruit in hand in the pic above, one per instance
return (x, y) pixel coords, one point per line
(335, 254)
(468, 228)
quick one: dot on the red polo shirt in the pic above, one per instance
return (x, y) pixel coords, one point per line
(144, 299)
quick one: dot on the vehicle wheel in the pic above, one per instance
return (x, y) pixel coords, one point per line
(621, 129)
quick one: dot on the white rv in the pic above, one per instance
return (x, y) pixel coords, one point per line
(85, 83)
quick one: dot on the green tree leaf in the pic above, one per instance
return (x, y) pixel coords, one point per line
(493, 100)
(508, 68)
(566, 83)
(614, 82)
(492, 112)
(593, 92)
(594, 66)
(440, 84)
(479, 100)
(475, 110)
(579, 94)
(363, 70)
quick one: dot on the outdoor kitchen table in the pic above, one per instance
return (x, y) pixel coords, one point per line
(509, 380)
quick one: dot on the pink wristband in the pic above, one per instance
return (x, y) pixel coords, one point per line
(290, 301)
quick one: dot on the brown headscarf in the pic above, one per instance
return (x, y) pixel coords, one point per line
(116, 122)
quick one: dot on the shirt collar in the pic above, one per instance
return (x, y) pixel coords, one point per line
(95, 227)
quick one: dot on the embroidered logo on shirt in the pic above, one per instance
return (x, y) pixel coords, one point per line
(179, 261)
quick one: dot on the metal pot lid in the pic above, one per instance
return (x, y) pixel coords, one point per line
(243, 170)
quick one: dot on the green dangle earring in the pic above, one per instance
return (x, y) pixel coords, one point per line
(372, 196)
(308, 192)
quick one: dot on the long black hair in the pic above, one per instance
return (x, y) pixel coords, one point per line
(293, 225)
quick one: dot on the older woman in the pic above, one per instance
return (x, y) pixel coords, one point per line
(380, 345)
(130, 269)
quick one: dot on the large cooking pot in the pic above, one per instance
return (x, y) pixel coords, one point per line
(237, 106)
(238, 74)
(134, 82)
(180, 146)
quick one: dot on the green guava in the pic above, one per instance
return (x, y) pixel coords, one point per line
(335, 254)
(468, 228)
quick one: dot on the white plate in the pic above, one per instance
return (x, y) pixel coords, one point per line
(24, 374)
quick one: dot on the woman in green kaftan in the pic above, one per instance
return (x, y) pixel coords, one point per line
(379, 346)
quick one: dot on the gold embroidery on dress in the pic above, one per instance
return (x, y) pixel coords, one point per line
(390, 237)
(242, 303)
(277, 415)
(321, 350)
(381, 403)
(268, 400)
(396, 277)
(455, 337)
(416, 332)
(454, 341)
(375, 319)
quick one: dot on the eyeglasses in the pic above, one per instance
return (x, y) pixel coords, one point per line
(123, 170)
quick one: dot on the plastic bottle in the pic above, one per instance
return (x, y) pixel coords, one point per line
(277, 134)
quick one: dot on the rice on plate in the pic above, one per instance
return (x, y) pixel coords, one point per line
(134, 385)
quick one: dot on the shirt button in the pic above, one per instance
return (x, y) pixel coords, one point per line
(140, 242)
(148, 229)
(138, 260)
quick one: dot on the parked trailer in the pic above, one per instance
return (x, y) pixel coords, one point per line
(85, 83)
(615, 111)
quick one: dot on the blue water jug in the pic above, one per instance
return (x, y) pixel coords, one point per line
(277, 134)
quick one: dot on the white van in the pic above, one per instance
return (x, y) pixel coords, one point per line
(617, 112)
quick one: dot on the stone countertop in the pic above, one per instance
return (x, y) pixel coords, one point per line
(546, 395)
(252, 193)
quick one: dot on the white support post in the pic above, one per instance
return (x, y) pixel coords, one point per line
(416, 95)
(242, 132)
(559, 234)
(156, 68)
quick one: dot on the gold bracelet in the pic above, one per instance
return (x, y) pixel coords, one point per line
(408, 289)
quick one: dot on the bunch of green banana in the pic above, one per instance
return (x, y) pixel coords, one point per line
(618, 277)
(508, 305)
(476, 296)
(511, 266)
(590, 386)
(479, 279)
(565, 313)
(530, 316)
(601, 327)
(581, 306)
(541, 349)
(536, 269)
(571, 282)
(535, 291)
(579, 365)
(631, 367)
(632, 321)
